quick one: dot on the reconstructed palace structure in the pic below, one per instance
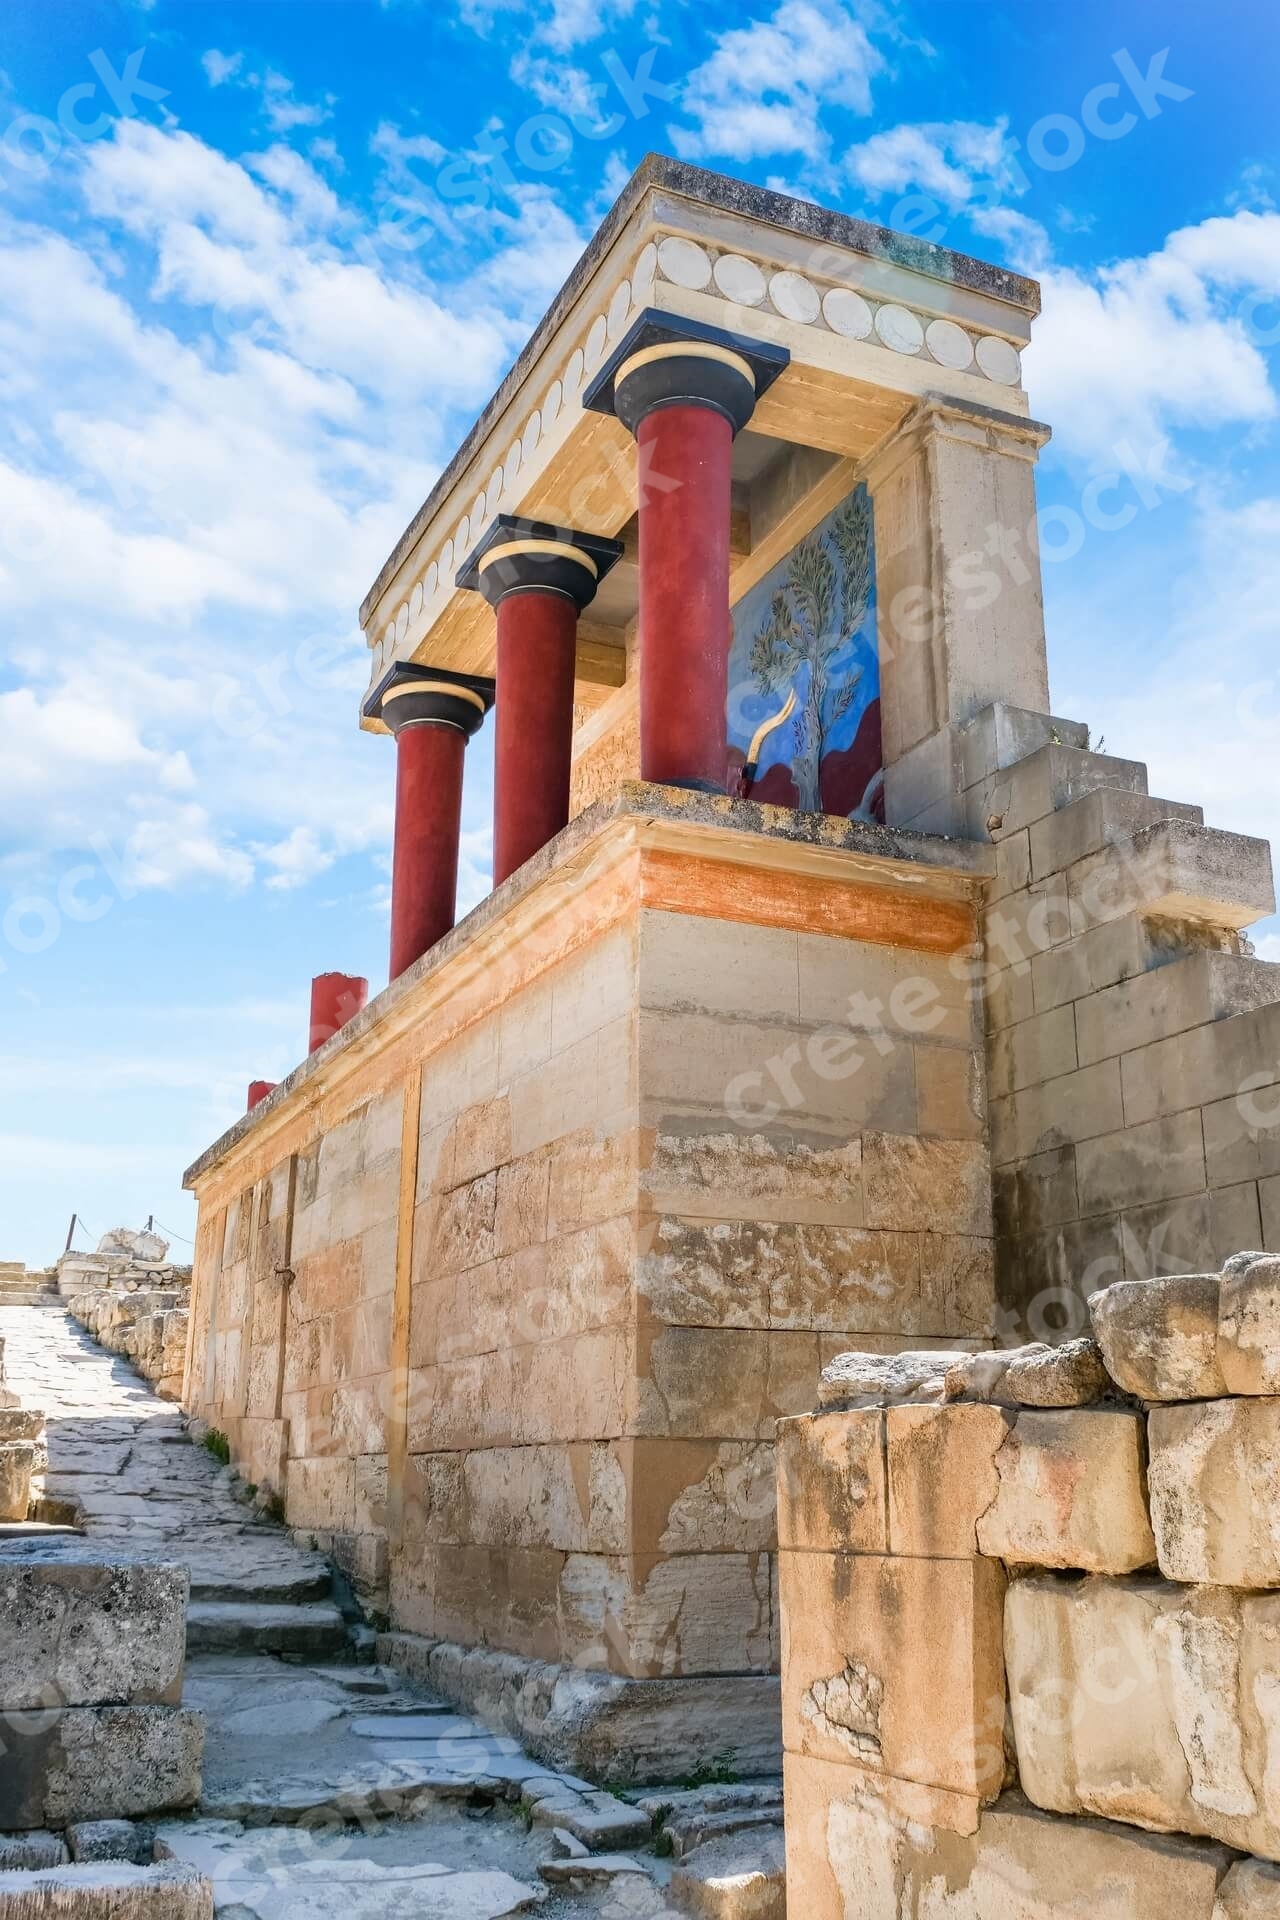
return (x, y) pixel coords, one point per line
(833, 994)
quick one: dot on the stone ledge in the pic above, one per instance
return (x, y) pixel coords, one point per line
(604, 1727)
(107, 1890)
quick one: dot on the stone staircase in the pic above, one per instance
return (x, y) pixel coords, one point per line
(1126, 1013)
(23, 1287)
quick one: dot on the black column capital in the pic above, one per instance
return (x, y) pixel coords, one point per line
(533, 556)
(666, 361)
(414, 696)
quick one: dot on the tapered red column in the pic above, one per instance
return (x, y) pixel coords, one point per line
(538, 578)
(432, 715)
(685, 391)
(684, 596)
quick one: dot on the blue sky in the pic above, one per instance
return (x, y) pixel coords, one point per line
(261, 262)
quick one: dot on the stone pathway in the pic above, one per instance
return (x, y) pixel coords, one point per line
(332, 1790)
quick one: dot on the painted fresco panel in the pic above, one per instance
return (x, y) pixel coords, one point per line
(809, 629)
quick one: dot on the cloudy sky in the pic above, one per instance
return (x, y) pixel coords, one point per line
(262, 261)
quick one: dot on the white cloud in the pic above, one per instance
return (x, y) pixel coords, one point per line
(222, 407)
(276, 92)
(764, 88)
(944, 160)
(221, 67)
(1156, 342)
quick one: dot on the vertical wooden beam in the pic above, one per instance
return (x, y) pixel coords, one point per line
(284, 1281)
(398, 1378)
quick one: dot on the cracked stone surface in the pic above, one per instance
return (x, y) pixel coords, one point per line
(329, 1789)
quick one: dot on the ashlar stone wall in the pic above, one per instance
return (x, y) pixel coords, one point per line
(511, 1323)
(1133, 1050)
(1031, 1620)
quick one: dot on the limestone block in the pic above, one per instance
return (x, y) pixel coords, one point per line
(895, 1665)
(28, 1852)
(1159, 1338)
(1033, 1376)
(879, 1379)
(658, 1615)
(1071, 1375)
(831, 1482)
(723, 1383)
(83, 1633)
(1215, 1484)
(1251, 1891)
(942, 1476)
(1071, 1493)
(98, 1763)
(17, 1460)
(107, 1840)
(730, 1175)
(741, 1877)
(108, 1891)
(1249, 1325)
(1149, 1703)
(935, 1186)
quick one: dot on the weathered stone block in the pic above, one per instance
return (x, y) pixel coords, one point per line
(941, 1476)
(1071, 1493)
(887, 1379)
(108, 1840)
(1159, 1338)
(1149, 1703)
(1249, 1326)
(81, 1633)
(861, 1847)
(895, 1665)
(1251, 1891)
(98, 1763)
(17, 1460)
(1215, 1486)
(831, 1482)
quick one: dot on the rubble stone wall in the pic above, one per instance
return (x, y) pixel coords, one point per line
(1031, 1620)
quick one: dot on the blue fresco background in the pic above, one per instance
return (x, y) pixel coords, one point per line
(850, 775)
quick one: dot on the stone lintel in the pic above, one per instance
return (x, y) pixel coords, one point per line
(647, 846)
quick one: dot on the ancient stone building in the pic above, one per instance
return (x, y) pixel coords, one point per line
(833, 994)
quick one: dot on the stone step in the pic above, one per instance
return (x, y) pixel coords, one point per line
(287, 1584)
(314, 1630)
(743, 1877)
(107, 1890)
(1174, 870)
(1098, 819)
(1199, 988)
(1002, 735)
(1046, 782)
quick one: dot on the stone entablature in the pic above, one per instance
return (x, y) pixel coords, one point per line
(950, 1680)
(873, 321)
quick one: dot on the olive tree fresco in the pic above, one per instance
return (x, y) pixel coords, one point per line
(809, 628)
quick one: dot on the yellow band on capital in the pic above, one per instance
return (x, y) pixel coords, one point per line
(434, 686)
(686, 350)
(541, 549)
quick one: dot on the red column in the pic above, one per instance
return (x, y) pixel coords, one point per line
(424, 862)
(685, 390)
(335, 999)
(533, 738)
(685, 454)
(538, 578)
(258, 1090)
(432, 713)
